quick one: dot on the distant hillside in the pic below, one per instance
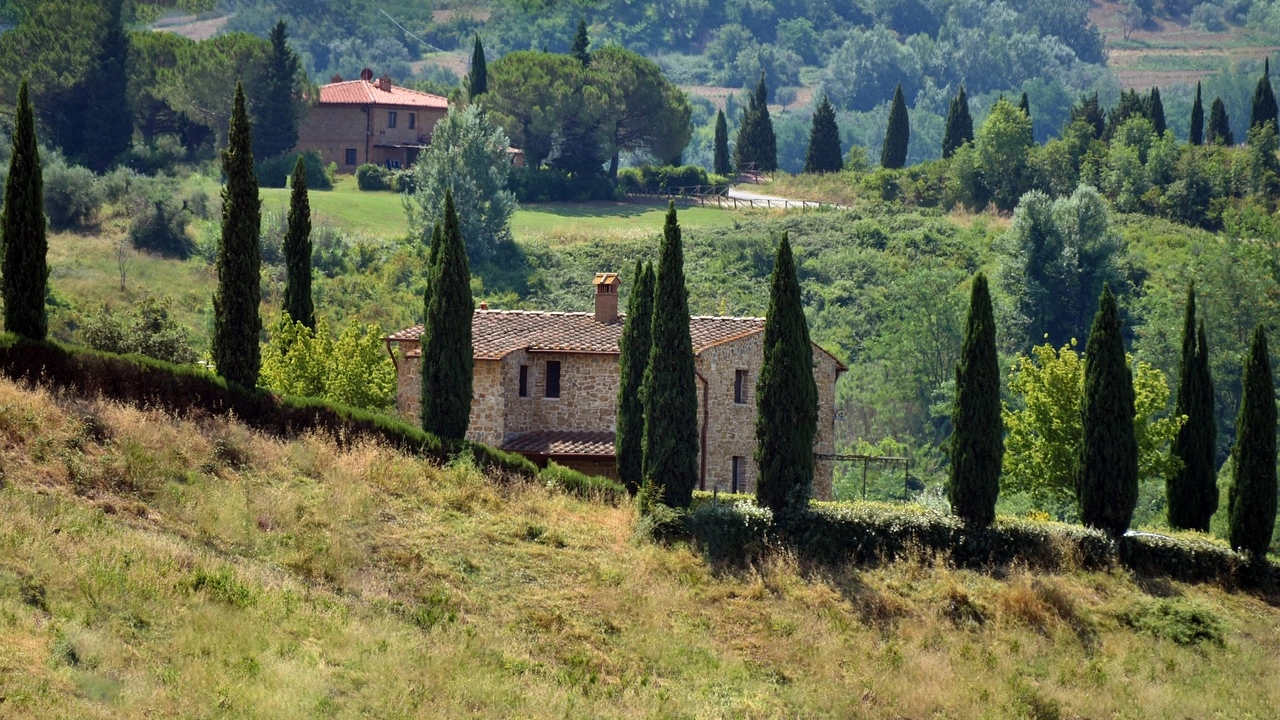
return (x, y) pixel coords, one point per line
(152, 568)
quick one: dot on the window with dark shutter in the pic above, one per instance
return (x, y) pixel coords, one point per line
(351, 156)
(553, 379)
(737, 480)
(413, 120)
(524, 381)
(740, 386)
(391, 118)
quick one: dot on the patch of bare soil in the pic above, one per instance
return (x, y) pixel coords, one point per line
(189, 26)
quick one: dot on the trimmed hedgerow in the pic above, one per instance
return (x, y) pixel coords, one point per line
(731, 529)
(582, 485)
(184, 389)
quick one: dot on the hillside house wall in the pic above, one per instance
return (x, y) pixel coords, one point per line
(332, 130)
(488, 416)
(588, 392)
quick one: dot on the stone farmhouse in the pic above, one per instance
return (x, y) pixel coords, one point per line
(546, 386)
(370, 121)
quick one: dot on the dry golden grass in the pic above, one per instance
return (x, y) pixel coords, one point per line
(153, 567)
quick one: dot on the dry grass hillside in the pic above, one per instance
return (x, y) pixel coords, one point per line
(153, 567)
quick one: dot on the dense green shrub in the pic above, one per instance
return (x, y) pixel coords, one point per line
(669, 180)
(146, 329)
(373, 177)
(162, 230)
(582, 485)
(72, 194)
(536, 185)
(275, 171)
(185, 390)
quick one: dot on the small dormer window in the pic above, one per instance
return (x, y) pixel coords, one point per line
(391, 118)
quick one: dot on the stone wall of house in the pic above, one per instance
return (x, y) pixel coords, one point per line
(730, 425)
(588, 392)
(333, 129)
(487, 417)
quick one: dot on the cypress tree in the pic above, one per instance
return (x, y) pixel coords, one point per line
(1088, 110)
(1192, 492)
(757, 146)
(1107, 484)
(721, 160)
(1155, 110)
(107, 125)
(977, 440)
(635, 344)
(786, 396)
(669, 390)
(479, 78)
(897, 135)
(1197, 120)
(1219, 130)
(959, 129)
(581, 42)
(275, 115)
(1251, 505)
(24, 275)
(447, 357)
(297, 251)
(1025, 106)
(1264, 100)
(824, 154)
(235, 302)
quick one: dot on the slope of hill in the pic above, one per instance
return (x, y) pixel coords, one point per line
(154, 567)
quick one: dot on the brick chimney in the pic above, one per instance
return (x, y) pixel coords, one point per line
(384, 83)
(606, 285)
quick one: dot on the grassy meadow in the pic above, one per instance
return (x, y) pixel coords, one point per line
(157, 567)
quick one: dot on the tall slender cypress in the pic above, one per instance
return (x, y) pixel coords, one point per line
(670, 392)
(235, 302)
(581, 42)
(757, 145)
(635, 344)
(977, 438)
(1192, 492)
(1251, 505)
(447, 358)
(1107, 485)
(297, 251)
(824, 154)
(24, 275)
(275, 113)
(478, 82)
(1025, 106)
(1264, 100)
(786, 396)
(1196, 136)
(1219, 130)
(720, 164)
(107, 126)
(897, 134)
(959, 129)
(1155, 110)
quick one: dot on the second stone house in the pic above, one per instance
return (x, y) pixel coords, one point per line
(546, 386)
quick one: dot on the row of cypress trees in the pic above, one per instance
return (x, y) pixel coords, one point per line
(1107, 477)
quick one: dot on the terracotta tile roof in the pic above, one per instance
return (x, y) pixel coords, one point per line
(496, 333)
(561, 442)
(360, 92)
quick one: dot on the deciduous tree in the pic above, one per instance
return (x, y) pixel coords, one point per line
(297, 251)
(1107, 483)
(670, 392)
(447, 362)
(635, 344)
(25, 268)
(1003, 145)
(977, 438)
(1251, 508)
(236, 323)
(786, 396)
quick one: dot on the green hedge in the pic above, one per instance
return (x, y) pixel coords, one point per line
(665, 179)
(579, 484)
(731, 529)
(183, 389)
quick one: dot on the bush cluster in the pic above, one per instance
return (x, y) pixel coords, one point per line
(72, 194)
(582, 485)
(371, 177)
(535, 185)
(733, 530)
(668, 180)
(184, 390)
(274, 172)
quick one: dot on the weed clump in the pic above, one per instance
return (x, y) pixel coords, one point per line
(1181, 621)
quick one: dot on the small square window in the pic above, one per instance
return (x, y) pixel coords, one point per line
(553, 379)
(740, 387)
(391, 118)
(738, 481)
(524, 381)
(413, 120)
(351, 158)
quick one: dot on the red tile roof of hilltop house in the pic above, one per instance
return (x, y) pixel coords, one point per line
(497, 333)
(362, 92)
